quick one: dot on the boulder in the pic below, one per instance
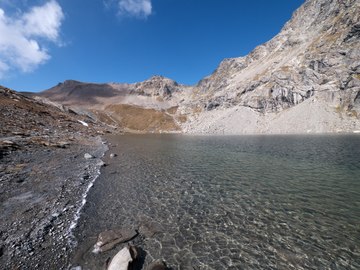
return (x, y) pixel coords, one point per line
(109, 239)
(123, 258)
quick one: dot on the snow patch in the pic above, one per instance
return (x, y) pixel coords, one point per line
(83, 123)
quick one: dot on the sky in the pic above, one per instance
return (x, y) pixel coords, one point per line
(44, 42)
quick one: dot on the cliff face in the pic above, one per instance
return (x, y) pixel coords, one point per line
(314, 59)
(306, 79)
(315, 54)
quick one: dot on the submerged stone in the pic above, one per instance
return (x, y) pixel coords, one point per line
(157, 265)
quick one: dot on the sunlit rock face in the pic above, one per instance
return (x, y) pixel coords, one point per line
(317, 53)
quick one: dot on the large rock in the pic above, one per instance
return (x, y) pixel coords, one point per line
(123, 258)
(109, 239)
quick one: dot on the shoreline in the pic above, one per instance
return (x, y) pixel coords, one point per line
(95, 176)
(42, 231)
(83, 255)
(43, 192)
(132, 192)
(198, 134)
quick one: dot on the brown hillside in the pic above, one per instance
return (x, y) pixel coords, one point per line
(138, 119)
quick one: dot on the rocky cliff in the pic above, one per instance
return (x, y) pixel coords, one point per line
(314, 59)
(316, 51)
(306, 79)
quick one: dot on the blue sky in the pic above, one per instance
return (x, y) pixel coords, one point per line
(44, 42)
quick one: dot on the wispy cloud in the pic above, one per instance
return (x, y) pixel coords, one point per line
(23, 37)
(137, 8)
(131, 8)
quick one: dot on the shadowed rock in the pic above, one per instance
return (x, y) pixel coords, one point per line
(157, 265)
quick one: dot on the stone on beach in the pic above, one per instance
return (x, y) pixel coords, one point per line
(109, 239)
(8, 144)
(62, 144)
(88, 156)
(122, 259)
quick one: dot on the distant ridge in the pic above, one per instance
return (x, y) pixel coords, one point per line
(304, 80)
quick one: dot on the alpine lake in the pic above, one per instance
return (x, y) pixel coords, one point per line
(229, 202)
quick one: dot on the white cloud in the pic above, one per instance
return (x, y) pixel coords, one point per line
(22, 38)
(44, 21)
(136, 8)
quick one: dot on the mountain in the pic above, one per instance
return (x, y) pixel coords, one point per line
(304, 80)
(148, 106)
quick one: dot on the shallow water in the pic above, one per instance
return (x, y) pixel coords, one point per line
(260, 202)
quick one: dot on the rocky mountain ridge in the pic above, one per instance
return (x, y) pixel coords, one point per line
(148, 106)
(316, 51)
(72, 92)
(315, 60)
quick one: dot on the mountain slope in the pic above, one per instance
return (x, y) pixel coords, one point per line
(148, 106)
(42, 172)
(315, 58)
(313, 62)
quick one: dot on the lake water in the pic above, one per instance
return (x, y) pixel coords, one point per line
(257, 202)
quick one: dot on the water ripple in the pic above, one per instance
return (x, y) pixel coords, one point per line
(236, 202)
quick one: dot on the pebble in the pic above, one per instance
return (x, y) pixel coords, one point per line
(7, 142)
(88, 156)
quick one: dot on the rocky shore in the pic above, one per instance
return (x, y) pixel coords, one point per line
(103, 238)
(44, 176)
(50, 157)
